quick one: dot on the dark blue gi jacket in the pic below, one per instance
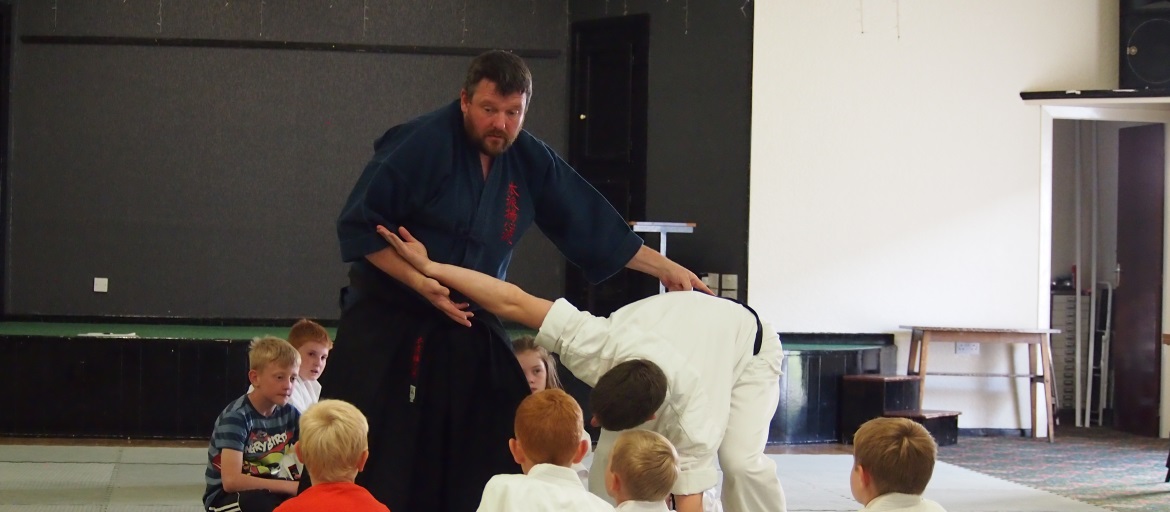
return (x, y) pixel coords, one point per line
(426, 175)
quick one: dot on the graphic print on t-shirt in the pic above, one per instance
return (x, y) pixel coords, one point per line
(268, 456)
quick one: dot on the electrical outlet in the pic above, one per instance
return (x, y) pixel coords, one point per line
(729, 282)
(711, 279)
(967, 349)
(101, 284)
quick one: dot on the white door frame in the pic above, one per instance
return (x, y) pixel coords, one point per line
(1141, 110)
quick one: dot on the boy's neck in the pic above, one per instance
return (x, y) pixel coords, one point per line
(868, 496)
(261, 404)
(349, 479)
(527, 466)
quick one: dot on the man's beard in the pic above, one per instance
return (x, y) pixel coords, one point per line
(494, 148)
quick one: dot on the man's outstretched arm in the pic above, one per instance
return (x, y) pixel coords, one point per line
(501, 298)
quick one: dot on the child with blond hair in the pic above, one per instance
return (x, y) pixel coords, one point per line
(643, 466)
(893, 460)
(313, 344)
(334, 447)
(548, 441)
(249, 459)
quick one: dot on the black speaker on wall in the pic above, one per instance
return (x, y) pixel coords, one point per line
(1145, 44)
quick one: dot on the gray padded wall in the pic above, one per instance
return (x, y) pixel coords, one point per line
(699, 124)
(205, 182)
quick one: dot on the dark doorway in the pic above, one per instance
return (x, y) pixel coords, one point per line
(1136, 346)
(5, 67)
(609, 84)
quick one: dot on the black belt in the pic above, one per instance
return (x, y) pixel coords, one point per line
(759, 327)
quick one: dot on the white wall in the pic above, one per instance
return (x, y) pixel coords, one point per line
(895, 171)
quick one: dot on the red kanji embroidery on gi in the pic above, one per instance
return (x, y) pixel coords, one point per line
(416, 358)
(511, 213)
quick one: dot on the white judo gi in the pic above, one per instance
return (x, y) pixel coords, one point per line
(720, 399)
(642, 506)
(546, 488)
(898, 502)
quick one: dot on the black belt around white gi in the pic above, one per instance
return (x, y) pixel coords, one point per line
(759, 326)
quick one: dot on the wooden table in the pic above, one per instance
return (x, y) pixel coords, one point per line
(921, 337)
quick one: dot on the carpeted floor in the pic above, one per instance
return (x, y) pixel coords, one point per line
(1099, 466)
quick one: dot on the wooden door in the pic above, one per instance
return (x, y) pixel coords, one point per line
(1136, 347)
(607, 138)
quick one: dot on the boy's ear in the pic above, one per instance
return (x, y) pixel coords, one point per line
(582, 449)
(863, 474)
(361, 465)
(517, 451)
(252, 377)
(594, 421)
(613, 484)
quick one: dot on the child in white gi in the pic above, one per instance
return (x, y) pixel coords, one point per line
(642, 469)
(893, 460)
(700, 370)
(548, 440)
(540, 369)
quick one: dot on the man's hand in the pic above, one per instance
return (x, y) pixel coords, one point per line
(411, 250)
(440, 297)
(675, 277)
(414, 253)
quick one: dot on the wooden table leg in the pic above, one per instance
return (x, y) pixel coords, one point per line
(911, 364)
(924, 352)
(1032, 385)
(1046, 363)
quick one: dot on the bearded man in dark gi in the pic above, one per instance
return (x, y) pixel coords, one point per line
(434, 374)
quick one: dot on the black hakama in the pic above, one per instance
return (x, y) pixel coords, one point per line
(440, 397)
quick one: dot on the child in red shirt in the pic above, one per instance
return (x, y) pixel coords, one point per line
(334, 448)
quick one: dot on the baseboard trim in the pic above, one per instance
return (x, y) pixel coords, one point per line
(163, 320)
(995, 432)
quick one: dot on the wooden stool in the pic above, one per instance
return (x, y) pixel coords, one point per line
(868, 396)
(943, 425)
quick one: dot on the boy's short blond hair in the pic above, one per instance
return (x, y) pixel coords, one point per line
(267, 350)
(897, 453)
(333, 438)
(305, 331)
(548, 426)
(646, 463)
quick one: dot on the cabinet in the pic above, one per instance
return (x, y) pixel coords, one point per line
(1064, 345)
